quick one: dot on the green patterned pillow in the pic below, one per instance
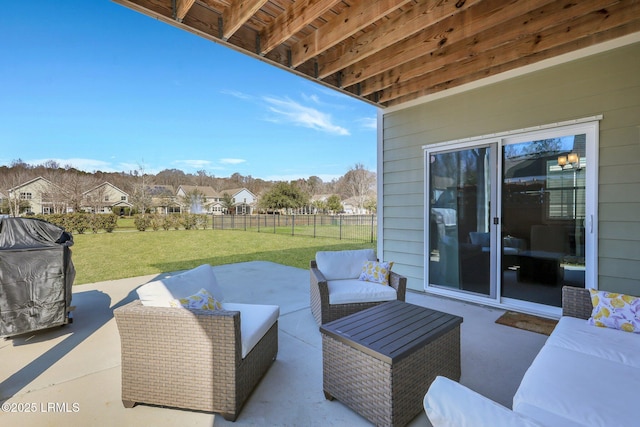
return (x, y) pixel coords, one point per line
(377, 272)
(202, 300)
(617, 311)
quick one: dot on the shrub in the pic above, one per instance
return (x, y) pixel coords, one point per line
(175, 221)
(202, 220)
(156, 221)
(188, 221)
(142, 222)
(109, 222)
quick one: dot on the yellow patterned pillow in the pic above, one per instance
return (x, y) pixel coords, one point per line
(202, 300)
(377, 272)
(617, 311)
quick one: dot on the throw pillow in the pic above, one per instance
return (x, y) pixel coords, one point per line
(617, 311)
(202, 300)
(377, 272)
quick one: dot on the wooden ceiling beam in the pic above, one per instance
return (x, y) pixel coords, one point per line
(291, 21)
(506, 29)
(237, 14)
(182, 8)
(343, 26)
(465, 25)
(157, 9)
(593, 39)
(389, 32)
(601, 25)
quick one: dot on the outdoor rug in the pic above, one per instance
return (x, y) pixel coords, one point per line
(527, 322)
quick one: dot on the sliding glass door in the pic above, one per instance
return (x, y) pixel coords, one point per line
(460, 245)
(511, 219)
(543, 217)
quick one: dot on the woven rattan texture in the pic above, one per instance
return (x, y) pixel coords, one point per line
(387, 395)
(324, 312)
(576, 302)
(189, 358)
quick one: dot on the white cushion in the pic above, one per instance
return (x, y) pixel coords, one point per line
(449, 404)
(255, 321)
(354, 290)
(160, 293)
(564, 387)
(577, 335)
(343, 264)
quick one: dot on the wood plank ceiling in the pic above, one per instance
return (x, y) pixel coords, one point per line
(387, 52)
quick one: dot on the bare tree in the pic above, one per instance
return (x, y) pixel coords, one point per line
(73, 185)
(18, 173)
(359, 183)
(141, 197)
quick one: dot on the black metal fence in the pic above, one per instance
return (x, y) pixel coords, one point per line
(344, 227)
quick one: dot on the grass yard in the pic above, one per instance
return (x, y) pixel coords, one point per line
(110, 256)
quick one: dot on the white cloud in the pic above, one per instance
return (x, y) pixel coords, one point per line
(232, 161)
(369, 123)
(289, 111)
(193, 164)
(235, 93)
(313, 98)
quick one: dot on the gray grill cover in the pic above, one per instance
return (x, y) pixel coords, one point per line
(36, 275)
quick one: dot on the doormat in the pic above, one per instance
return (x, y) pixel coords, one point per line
(527, 322)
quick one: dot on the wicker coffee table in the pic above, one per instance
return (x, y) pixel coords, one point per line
(381, 361)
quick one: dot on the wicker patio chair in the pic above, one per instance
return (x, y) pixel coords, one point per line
(189, 359)
(325, 312)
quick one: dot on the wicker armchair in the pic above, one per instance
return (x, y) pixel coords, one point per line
(189, 359)
(325, 312)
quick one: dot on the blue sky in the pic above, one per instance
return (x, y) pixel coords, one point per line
(98, 86)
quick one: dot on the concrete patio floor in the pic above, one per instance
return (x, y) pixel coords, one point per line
(70, 375)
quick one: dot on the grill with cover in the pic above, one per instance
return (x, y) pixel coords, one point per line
(36, 275)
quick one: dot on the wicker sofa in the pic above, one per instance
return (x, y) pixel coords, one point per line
(360, 295)
(195, 359)
(584, 375)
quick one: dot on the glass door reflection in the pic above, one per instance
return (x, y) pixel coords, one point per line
(460, 220)
(543, 214)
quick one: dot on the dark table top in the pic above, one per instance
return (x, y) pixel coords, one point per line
(392, 330)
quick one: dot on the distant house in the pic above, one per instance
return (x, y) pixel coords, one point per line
(104, 198)
(39, 196)
(164, 199)
(197, 199)
(350, 206)
(244, 201)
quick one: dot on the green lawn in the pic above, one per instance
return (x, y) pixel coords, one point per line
(109, 256)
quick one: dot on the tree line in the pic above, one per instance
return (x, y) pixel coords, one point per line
(357, 184)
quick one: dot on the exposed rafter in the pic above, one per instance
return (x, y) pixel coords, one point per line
(357, 18)
(181, 8)
(387, 52)
(237, 14)
(292, 21)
